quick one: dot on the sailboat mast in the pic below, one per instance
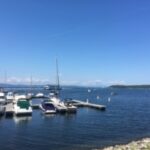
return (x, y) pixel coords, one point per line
(31, 83)
(57, 72)
(57, 79)
(5, 77)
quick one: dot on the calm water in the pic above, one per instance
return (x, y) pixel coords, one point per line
(127, 117)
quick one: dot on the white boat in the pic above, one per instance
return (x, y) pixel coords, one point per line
(2, 109)
(30, 95)
(39, 95)
(59, 105)
(9, 97)
(54, 96)
(47, 107)
(22, 106)
(2, 97)
(71, 108)
(47, 87)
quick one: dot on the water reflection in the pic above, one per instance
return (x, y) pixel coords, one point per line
(45, 116)
(22, 119)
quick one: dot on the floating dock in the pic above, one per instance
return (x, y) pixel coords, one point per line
(79, 103)
(35, 106)
(9, 109)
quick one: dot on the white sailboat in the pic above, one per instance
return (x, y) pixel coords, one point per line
(55, 98)
(30, 95)
(59, 105)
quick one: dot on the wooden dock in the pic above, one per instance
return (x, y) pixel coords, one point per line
(9, 109)
(79, 103)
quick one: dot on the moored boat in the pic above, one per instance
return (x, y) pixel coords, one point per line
(9, 97)
(59, 105)
(30, 95)
(22, 107)
(2, 109)
(71, 108)
(39, 95)
(2, 97)
(47, 107)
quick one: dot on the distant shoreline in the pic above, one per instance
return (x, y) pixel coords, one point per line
(71, 86)
(129, 86)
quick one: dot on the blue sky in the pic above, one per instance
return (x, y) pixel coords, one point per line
(97, 42)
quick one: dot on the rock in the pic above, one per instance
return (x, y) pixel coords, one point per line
(143, 144)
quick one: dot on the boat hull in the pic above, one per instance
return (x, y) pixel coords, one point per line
(45, 111)
(23, 113)
(2, 110)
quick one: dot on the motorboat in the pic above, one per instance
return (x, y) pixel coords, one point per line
(70, 107)
(2, 102)
(59, 105)
(39, 95)
(47, 87)
(2, 109)
(30, 95)
(2, 97)
(9, 97)
(22, 106)
(47, 107)
(55, 95)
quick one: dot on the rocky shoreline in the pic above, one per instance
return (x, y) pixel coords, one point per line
(143, 144)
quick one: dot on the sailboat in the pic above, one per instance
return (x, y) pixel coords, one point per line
(30, 95)
(55, 97)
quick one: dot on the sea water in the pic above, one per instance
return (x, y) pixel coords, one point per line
(126, 118)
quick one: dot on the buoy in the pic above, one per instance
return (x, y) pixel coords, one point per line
(109, 99)
(97, 97)
(89, 90)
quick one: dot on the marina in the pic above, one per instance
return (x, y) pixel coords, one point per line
(19, 105)
(74, 75)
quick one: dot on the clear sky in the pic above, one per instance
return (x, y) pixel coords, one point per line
(97, 42)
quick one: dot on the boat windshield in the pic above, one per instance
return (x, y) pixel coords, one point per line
(23, 104)
(48, 106)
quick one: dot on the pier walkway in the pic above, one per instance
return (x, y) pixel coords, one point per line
(79, 103)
